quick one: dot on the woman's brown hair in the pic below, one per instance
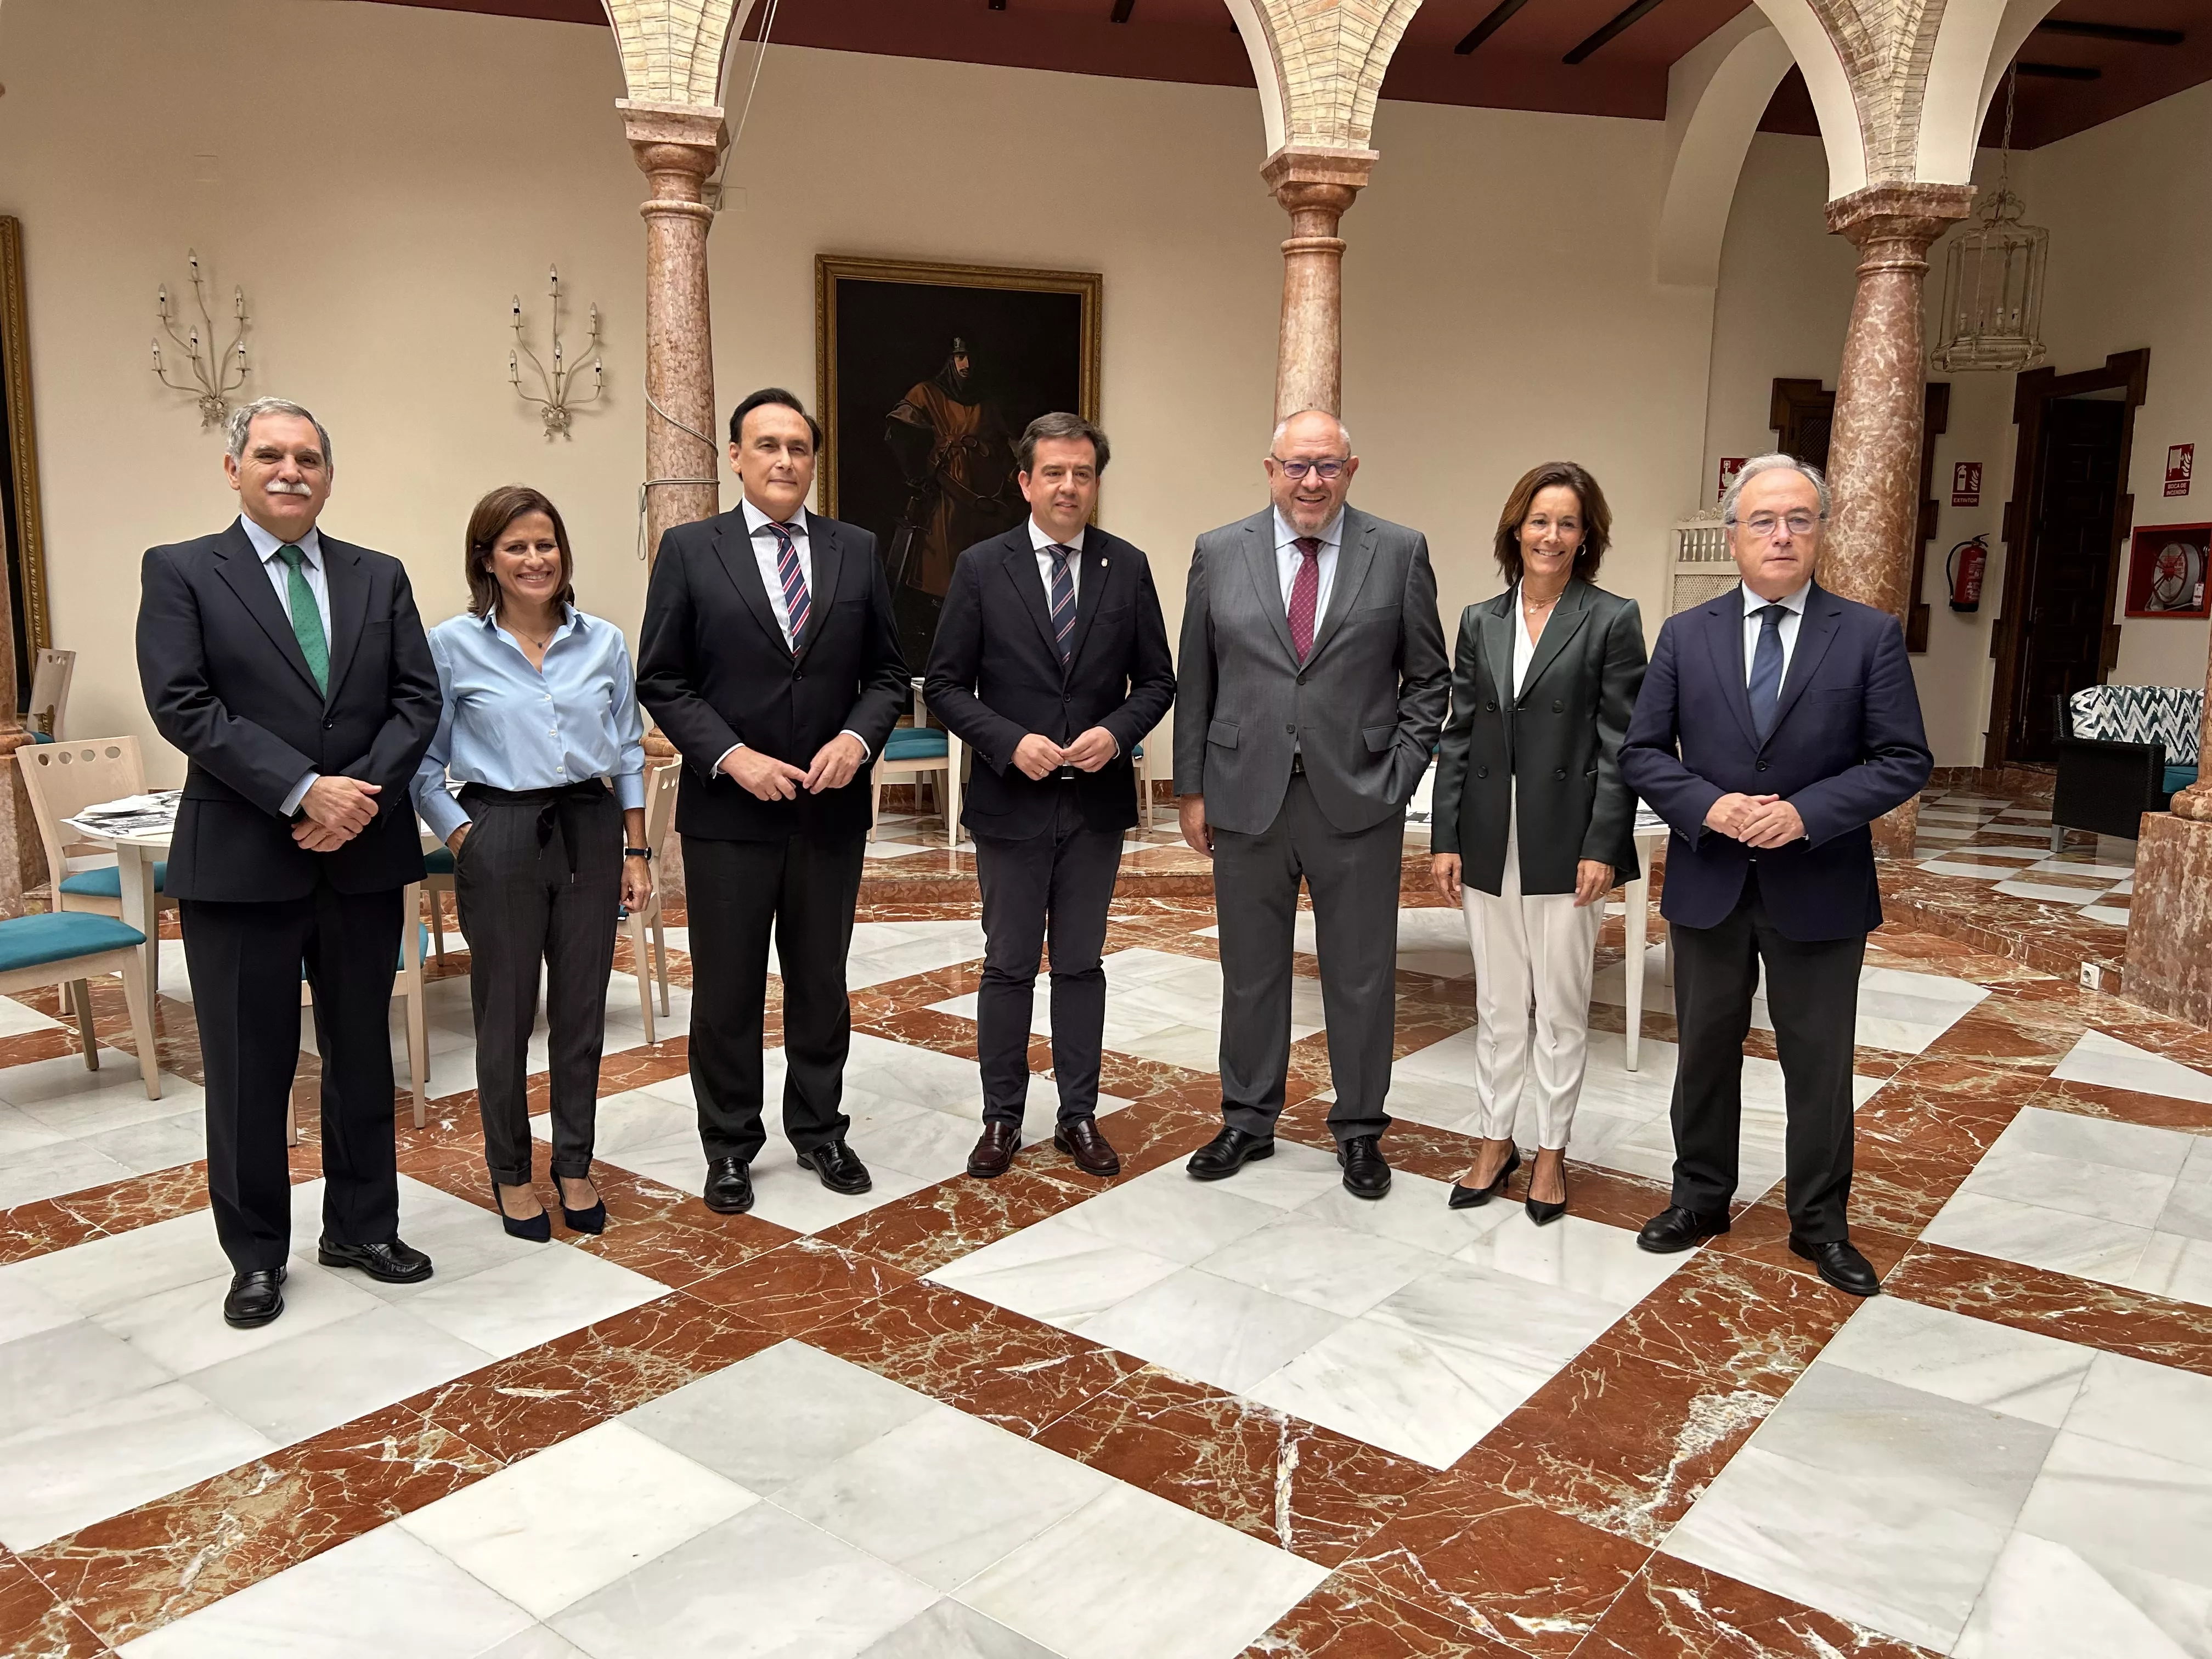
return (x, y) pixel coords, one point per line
(489, 522)
(1597, 516)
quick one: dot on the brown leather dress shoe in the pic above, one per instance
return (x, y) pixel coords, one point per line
(994, 1150)
(1079, 1139)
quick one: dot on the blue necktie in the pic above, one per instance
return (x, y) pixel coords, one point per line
(1063, 600)
(1766, 671)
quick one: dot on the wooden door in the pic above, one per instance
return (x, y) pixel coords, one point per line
(2068, 599)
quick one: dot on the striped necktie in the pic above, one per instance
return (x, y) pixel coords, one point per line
(793, 580)
(1765, 685)
(1063, 600)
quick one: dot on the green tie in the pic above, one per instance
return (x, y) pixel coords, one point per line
(307, 617)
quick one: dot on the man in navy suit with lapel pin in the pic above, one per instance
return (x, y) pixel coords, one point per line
(769, 658)
(291, 669)
(1776, 724)
(1051, 663)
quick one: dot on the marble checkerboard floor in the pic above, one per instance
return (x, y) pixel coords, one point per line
(1144, 1418)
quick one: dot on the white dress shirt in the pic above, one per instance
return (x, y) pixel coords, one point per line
(1288, 558)
(1793, 614)
(766, 552)
(265, 544)
(1524, 649)
(1040, 539)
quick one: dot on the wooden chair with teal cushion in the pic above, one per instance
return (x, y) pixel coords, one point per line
(67, 947)
(1142, 763)
(647, 935)
(414, 944)
(438, 880)
(61, 779)
(912, 752)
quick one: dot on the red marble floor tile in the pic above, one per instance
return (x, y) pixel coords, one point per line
(2016, 1032)
(1146, 1136)
(1761, 1233)
(679, 1254)
(635, 1068)
(28, 1047)
(797, 1286)
(1509, 1569)
(1344, 1621)
(2124, 1105)
(2132, 1322)
(1733, 1320)
(1673, 1610)
(1132, 1078)
(927, 1229)
(1619, 1441)
(34, 1624)
(1308, 1489)
(515, 1407)
(40, 1228)
(140, 1201)
(135, 1571)
(924, 1028)
(988, 1361)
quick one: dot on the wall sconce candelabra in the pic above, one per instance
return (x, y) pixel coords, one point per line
(561, 397)
(215, 377)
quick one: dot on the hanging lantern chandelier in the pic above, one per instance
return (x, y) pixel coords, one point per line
(1992, 316)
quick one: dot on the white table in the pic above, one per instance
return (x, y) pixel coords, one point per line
(1637, 927)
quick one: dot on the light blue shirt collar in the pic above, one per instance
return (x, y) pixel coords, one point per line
(755, 518)
(573, 620)
(265, 544)
(1753, 604)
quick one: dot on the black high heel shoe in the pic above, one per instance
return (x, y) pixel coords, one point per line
(1541, 1213)
(1470, 1197)
(538, 1229)
(593, 1220)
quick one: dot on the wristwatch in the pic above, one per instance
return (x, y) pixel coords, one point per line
(645, 852)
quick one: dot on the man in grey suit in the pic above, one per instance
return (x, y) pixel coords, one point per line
(1313, 682)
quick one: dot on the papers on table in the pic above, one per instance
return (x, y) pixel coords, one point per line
(134, 815)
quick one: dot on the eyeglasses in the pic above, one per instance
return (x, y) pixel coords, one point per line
(1763, 525)
(1295, 471)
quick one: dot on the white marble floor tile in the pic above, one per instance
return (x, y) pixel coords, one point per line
(1211, 1329)
(62, 1095)
(1572, 1254)
(1057, 1272)
(331, 1374)
(2097, 1058)
(105, 1274)
(1165, 1213)
(778, 1416)
(2123, 1509)
(2174, 1267)
(944, 1496)
(2068, 865)
(2110, 915)
(1130, 1576)
(1972, 1361)
(949, 1630)
(62, 1165)
(1293, 1176)
(2159, 1409)
(1303, 1258)
(1474, 1316)
(518, 1304)
(1416, 1213)
(2043, 1601)
(2134, 1146)
(384, 1592)
(2061, 1241)
(798, 1592)
(1967, 871)
(2132, 1197)
(182, 1330)
(550, 1529)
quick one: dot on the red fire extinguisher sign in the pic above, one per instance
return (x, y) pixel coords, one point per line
(1966, 483)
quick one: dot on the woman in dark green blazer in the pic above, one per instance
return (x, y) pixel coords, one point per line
(1533, 824)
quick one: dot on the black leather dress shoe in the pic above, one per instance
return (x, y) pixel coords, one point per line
(1677, 1229)
(729, 1185)
(995, 1151)
(1086, 1148)
(392, 1262)
(1365, 1173)
(254, 1298)
(1226, 1153)
(1839, 1262)
(839, 1170)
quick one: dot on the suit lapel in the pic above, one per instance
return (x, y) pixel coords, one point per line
(1816, 632)
(241, 567)
(1497, 624)
(1090, 591)
(826, 551)
(1259, 561)
(349, 590)
(1355, 553)
(1020, 565)
(1724, 637)
(734, 547)
(1565, 621)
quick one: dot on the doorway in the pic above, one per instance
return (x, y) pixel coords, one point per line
(2069, 513)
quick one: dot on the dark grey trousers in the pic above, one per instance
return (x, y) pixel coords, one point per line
(519, 907)
(1353, 879)
(1060, 879)
(1812, 994)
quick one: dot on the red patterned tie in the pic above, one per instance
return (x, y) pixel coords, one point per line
(1305, 591)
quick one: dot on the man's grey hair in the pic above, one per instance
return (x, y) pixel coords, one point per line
(1759, 463)
(1282, 426)
(242, 419)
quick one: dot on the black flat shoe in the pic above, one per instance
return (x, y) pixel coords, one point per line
(533, 1230)
(834, 1162)
(593, 1220)
(729, 1185)
(254, 1298)
(1228, 1152)
(392, 1262)
(1474, 1198)
(1677, 1229)
(1839, 1262)
(1365, 1173)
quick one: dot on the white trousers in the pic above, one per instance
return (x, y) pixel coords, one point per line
(1529, 948)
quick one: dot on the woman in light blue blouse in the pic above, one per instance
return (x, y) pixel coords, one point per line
(542, 732)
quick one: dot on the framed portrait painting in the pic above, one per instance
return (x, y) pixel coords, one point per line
(2167, 570)
(926, 375)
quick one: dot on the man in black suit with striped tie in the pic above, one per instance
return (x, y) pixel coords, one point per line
(1051, 662)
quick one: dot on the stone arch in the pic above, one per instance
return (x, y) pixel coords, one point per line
(672, 51)
(1716, 95)
(1319, 64)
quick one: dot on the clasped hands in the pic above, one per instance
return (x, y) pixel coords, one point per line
(1040, 757)
(335, 810)
(769, 779)
(1757, 821)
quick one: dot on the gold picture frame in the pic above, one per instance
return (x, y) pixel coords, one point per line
(26, 534)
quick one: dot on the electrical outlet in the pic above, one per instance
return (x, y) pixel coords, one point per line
(2093, 976)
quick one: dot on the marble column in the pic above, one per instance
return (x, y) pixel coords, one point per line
(1315, 187)
(22, 855)
(1874, 456)
(2169, 966)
